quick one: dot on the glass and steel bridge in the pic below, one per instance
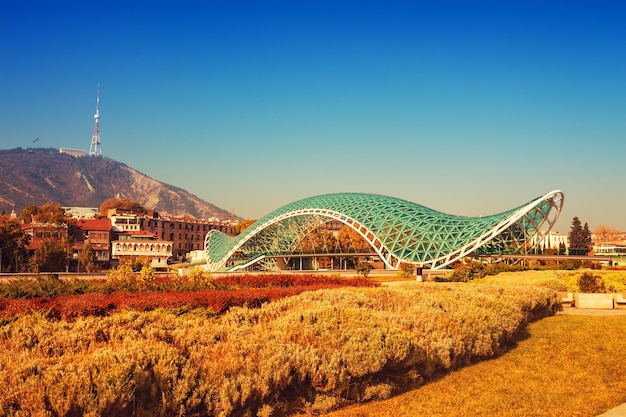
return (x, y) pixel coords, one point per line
(398, 231)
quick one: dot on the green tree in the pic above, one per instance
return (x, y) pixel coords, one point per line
(587, 241)
(363, 267)
(51, 256)
(28, 213)
(591, 283)
(87, 257)
(579, 238)
(13, 243)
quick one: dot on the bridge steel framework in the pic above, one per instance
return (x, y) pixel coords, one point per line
(399, 231)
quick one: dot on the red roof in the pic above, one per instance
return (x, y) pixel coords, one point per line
(94, 224)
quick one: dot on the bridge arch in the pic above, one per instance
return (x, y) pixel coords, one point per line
(399, 231)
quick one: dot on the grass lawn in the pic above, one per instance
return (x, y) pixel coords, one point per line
(567, 365)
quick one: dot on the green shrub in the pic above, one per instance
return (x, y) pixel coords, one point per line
(468, 271)
(363, 268)
(406, 271)
(42, 286)
(590, 283)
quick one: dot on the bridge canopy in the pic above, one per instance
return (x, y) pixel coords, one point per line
(399, 231)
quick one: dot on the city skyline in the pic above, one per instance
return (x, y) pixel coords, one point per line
(465, 108)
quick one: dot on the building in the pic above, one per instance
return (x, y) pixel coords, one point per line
(81, 212)
(141, 244)
(614, 246)
(99, 234)
(186, 234)
(551, 241)
(76, 153)
(40, 232)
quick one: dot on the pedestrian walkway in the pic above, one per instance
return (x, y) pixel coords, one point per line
(619, 411)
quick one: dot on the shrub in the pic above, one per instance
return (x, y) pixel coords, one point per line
(42, 286)
(363, 268)
(199, 278)
(313, 351)
(406, 271)
(195, 296)
(467, 271)
(590, 283)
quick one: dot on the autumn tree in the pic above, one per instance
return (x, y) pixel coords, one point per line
(123, 203)
(604, 234)
(243, 225)
(13, 243)
(351, 241)
(579, 238)
(51, 213)
(319, 240)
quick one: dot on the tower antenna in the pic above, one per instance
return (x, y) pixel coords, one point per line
(95, 150)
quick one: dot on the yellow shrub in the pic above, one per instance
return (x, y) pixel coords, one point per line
(319, 347)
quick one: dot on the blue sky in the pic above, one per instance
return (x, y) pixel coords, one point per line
(469, 108)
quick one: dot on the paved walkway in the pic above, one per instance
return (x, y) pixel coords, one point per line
(619, 411)
(593, 312)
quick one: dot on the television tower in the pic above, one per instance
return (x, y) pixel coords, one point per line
(95, 150)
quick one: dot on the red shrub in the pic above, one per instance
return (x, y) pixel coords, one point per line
(254, 291)
(289, 280)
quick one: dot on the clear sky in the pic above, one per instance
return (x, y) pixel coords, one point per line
(469, 108)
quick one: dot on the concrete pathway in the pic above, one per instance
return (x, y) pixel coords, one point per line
(619, 411)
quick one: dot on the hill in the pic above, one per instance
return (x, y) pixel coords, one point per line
(37, 176)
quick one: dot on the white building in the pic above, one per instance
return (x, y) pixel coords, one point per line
(158, 251)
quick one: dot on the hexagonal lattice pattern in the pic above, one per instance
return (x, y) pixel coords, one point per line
(399, 231)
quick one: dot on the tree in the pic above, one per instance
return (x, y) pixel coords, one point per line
(51, 213)
(121, 203)
(587, 242)
(579, 238)
(51, 256)
(87, 257)
(13, 243)
(319, 240)
(243, 225)
(605, 234)
(28, 213)
(351, 241)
